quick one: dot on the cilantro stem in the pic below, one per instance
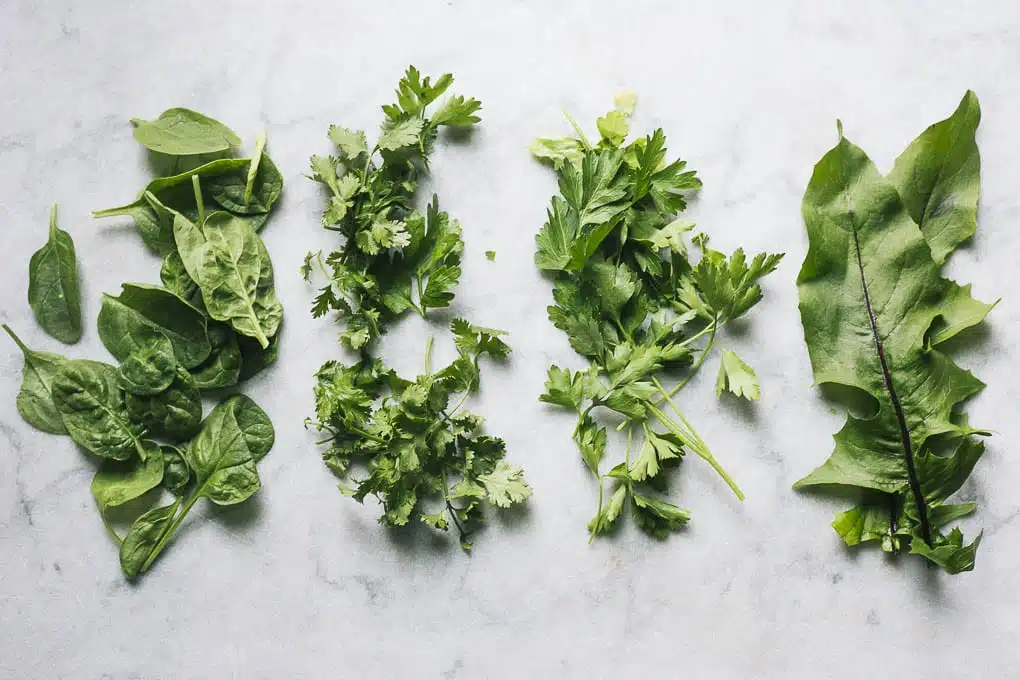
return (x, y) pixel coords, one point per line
(450, 507)
(428, 355)
(197, 187)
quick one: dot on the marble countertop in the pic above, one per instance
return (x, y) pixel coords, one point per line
(303, 583)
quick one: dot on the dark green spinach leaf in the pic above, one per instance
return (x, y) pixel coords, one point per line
(92, 408)
(35, 400)
(175, 413)
(53, 285)
(118, 481)
(150, 368)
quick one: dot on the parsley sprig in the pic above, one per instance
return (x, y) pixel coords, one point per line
(636, 302)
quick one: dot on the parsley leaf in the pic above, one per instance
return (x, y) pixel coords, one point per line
(636, 300)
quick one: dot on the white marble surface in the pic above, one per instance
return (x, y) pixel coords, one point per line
(303, 583)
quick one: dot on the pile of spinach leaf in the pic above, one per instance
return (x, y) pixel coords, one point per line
(394, 258)
(877, 313)
(214, 322)
(636, 303)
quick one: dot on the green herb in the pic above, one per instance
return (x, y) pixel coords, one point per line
(490, 255)
(424, 454)
(182, 132)
(53, 285)
(35, 399)
(635, 302)
(221, 458)
(393, 258)
(880, 328)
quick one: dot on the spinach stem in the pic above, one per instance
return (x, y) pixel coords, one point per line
(171, 528)
(197, 187)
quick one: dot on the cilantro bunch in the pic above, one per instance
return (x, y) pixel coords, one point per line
(418, 446)
(423, 457)
(638, 304)
(393, 257)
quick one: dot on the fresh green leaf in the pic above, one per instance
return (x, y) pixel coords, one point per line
(90, 403)
(867, 330)
(505, 485)
(150, 368)
(182, 132)
(737, 377)
(53, 285)
(146, 538)
(116, 482)
(142, 312)
(231, 266)
(35, 399)
(174, 413)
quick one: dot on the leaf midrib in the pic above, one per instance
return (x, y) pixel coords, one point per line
(912, 478)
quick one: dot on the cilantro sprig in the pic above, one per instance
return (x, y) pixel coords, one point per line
(424, 454)
(424, 457)
(393, 258)
(638, 304)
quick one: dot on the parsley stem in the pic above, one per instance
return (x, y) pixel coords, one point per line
(577, 128)
(696, 444)
(428, 355)
(697, 365)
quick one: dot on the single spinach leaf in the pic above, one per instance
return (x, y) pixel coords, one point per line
(175, 413)
(866, 329)
(176, 473)
(175, 277)
(254, 359)
(150, 368)
(232, 268)
(90, 403)
(234, 435)
(53, 291)
(183, 132)
(118, 481)
(35, 399)
(142, 311)
(223, 367)
(229, 190)
(146, 538)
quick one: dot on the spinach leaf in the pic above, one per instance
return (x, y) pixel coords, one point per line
(176, 473)
(254, 359)
(222, 459)
(162, 198)
(118, 481)
(90, 403)
(175, 413)
(183, 132)
(141, 311)
(234, 436)
(223, 367)
(870, 329)
(232, 268)
(53, 291)
(146, 538)
(175, 277)
(231, 191)
(35, 400)
(150, 368)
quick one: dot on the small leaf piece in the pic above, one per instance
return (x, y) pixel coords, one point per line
(737, 377)
(53, 291)
(505, 485)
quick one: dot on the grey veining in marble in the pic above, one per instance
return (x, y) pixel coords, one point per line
(302, 583)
